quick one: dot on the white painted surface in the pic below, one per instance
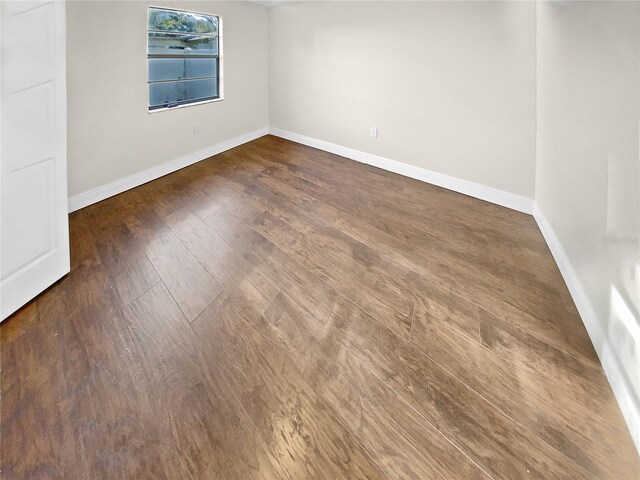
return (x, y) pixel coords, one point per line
(450, 85)
(499, 197)
(97, 194)
(112, 135)
(588, 175)
(34, 250)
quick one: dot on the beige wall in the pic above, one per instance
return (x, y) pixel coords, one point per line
(111, 133)
(588, 172)
(450, 85)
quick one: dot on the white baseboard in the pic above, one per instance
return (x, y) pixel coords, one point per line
(606, 352)
(499, 197)
(109, 190)
(493, 195)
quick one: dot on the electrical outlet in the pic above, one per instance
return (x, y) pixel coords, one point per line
(374, 132)
(196, 129)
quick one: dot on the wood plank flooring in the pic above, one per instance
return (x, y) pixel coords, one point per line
(278, 312)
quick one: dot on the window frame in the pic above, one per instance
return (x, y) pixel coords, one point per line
(220, 66)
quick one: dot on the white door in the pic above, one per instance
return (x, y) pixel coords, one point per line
(34, 234)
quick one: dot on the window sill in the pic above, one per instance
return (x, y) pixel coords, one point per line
(167, 109)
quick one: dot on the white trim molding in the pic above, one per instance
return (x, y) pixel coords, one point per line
(493, 195)
(114, 188)
(612, 368)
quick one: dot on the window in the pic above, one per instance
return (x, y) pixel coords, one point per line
(183, 56)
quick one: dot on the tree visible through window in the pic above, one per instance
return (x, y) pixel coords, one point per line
(183, 57)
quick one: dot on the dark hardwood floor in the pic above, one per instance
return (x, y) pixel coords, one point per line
(277, 312)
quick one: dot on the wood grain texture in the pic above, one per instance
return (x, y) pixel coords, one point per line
(528, 396)
(213, 435)
(278, 312)
(190, 284)
(233, 272)
(304, 435)
(371, 410)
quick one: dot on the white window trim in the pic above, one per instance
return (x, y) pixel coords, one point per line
(220, 63)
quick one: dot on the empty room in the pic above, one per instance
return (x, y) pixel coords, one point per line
(294, 240)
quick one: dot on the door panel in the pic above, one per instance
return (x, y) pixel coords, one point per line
(35, 188)
(30, 133)
(34, 237)
(30, 46)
